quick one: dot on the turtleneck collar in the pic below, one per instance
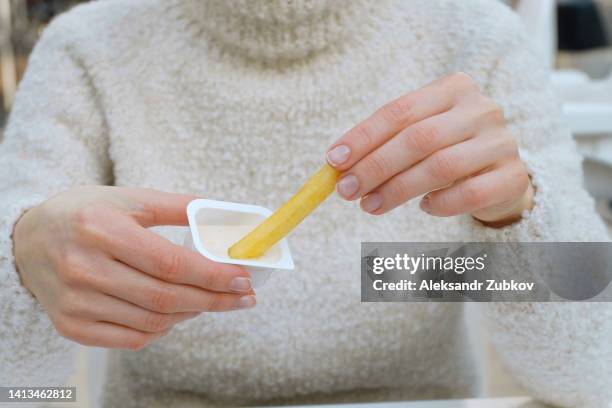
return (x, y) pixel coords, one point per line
(281, 29)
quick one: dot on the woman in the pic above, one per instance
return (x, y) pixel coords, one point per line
(239, 100)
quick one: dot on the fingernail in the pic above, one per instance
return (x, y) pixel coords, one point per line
(425, 204)
(246, 302)
(240, 284)
(371, 202)
(338, 155)
(348, 186)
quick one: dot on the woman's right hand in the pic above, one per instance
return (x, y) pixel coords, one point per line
(105, 280)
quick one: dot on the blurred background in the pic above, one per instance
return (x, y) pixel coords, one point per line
(21, 22)
(572, 37)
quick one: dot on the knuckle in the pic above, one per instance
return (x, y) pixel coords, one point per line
(377, 166)
(509, 147)
(443, 167)
(512, 144)
(364, 135)
(399, 190)
(168, 265)
(423, 138)
(163, 299)
(397, 111)
(213, 303)
(211, 278)
(66, 328)
(521, 177)
(491, 109)
(472, 194)
(156, 322)
(71, 268)
(84, 215)
(463, 80)
(69, 303)
(86, 219)
(148, 212)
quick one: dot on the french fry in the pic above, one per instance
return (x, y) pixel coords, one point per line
(274, 228)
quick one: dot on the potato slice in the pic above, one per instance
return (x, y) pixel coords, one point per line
(274, 228)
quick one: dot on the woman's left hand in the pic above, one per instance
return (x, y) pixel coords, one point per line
(447, 141)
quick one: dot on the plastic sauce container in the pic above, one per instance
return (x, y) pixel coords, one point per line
(216, 225)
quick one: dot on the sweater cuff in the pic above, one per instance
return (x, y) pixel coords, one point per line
(31, 351)
(536, 224)
(9, 277)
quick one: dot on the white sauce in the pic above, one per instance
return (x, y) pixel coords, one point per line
(217, 239)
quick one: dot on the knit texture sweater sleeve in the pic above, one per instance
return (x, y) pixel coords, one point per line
(560, 352)
(55, 139)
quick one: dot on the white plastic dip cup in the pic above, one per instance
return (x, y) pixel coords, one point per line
(212, 217)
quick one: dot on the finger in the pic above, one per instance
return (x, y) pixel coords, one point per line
(158, 257)
(499, 187)
(433, 99)
(105, 308)
(124, 282)
(102, 334)
(158, 207)
(437, 171)
(405, 149)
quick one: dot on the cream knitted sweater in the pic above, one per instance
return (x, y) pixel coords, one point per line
(238, 100)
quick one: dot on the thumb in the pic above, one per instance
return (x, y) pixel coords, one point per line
(160, 208)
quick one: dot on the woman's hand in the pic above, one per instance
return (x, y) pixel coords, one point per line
(107, 281)
(446, 140)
